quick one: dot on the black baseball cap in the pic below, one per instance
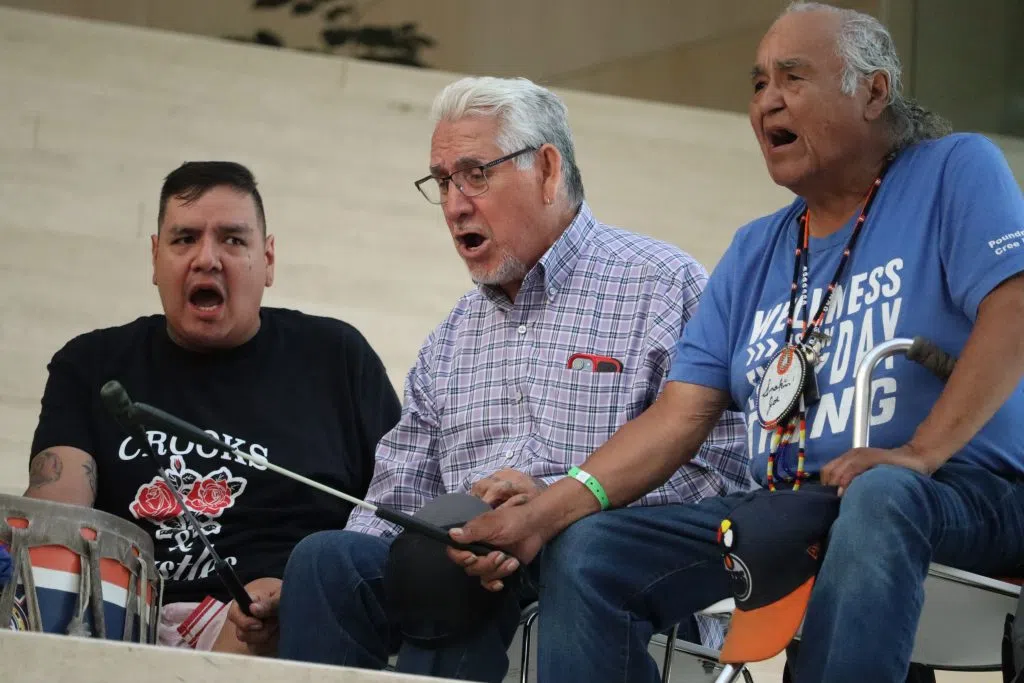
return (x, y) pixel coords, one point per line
(434, 601)
(773, 544)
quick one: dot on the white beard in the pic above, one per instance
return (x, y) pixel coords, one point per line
(510, 269)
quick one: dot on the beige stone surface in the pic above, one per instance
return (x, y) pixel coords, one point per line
(541, 38)
(710, 69)
(961, 58)
(691, 52)
(44, 658)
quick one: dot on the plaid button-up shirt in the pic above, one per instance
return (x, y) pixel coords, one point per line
(491, 389)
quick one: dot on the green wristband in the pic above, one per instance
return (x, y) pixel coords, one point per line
(593, 484)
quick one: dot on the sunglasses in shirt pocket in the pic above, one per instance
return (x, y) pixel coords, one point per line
(591, 362)
(578, 405)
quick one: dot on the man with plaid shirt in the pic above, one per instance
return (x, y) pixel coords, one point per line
(567, 336)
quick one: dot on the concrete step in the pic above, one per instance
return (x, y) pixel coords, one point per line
(45, 658)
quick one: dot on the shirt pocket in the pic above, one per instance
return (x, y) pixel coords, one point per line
(575, 411)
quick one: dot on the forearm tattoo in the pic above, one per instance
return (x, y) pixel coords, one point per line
(90, 474)
(44, 469)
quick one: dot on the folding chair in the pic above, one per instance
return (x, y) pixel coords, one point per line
(526, 619)
(720, 609)
(669, 641)
(1013, 645)
(963, 618)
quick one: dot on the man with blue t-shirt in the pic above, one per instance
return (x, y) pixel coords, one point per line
(899, 229)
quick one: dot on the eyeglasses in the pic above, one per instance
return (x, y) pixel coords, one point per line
(471, 182)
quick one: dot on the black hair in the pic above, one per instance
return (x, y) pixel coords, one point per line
(193, 179)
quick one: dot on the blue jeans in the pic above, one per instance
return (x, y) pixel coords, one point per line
(333, 611)
(611, 580)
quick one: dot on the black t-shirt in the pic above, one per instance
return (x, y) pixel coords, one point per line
(307, 393)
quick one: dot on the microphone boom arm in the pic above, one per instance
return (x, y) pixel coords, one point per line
(127, 414)
(174, 425)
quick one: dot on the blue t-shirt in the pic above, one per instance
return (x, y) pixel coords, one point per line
(946, 227)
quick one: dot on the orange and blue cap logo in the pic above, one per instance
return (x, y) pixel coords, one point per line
(739, 577)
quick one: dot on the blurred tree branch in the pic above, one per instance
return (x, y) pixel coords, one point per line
(343, 32)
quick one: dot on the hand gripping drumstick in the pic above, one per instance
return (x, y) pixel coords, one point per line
(116, 401)
(154, 417)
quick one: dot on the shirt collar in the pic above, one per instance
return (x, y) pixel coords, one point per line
(557, 263)
(560, 260)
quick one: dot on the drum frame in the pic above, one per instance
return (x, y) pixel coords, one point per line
(49, 524)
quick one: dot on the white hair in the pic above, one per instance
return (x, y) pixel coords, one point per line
(867, 48)
(529, 116)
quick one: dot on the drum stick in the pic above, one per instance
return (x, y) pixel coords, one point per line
(223, 569)
(156, 418)
(117, 403)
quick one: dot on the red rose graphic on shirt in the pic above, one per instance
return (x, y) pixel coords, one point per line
(209, 496)
(155, 501)
(206, 496)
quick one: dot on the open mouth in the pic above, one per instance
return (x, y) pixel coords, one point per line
(206, 298)
(780, 137)
(471, 240)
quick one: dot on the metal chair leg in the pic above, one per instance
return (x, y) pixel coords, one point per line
(524, 659)
(670, 648)
(730, 674)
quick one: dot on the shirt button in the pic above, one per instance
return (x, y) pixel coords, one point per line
(521, 329)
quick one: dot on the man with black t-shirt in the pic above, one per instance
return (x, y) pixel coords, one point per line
(305, 392)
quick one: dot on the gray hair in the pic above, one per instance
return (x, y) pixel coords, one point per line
(529, 116)
(866, 48)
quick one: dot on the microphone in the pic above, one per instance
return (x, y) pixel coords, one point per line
(156, 418)
(116, 401)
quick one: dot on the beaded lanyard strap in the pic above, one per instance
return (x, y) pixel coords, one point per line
(783, 432)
